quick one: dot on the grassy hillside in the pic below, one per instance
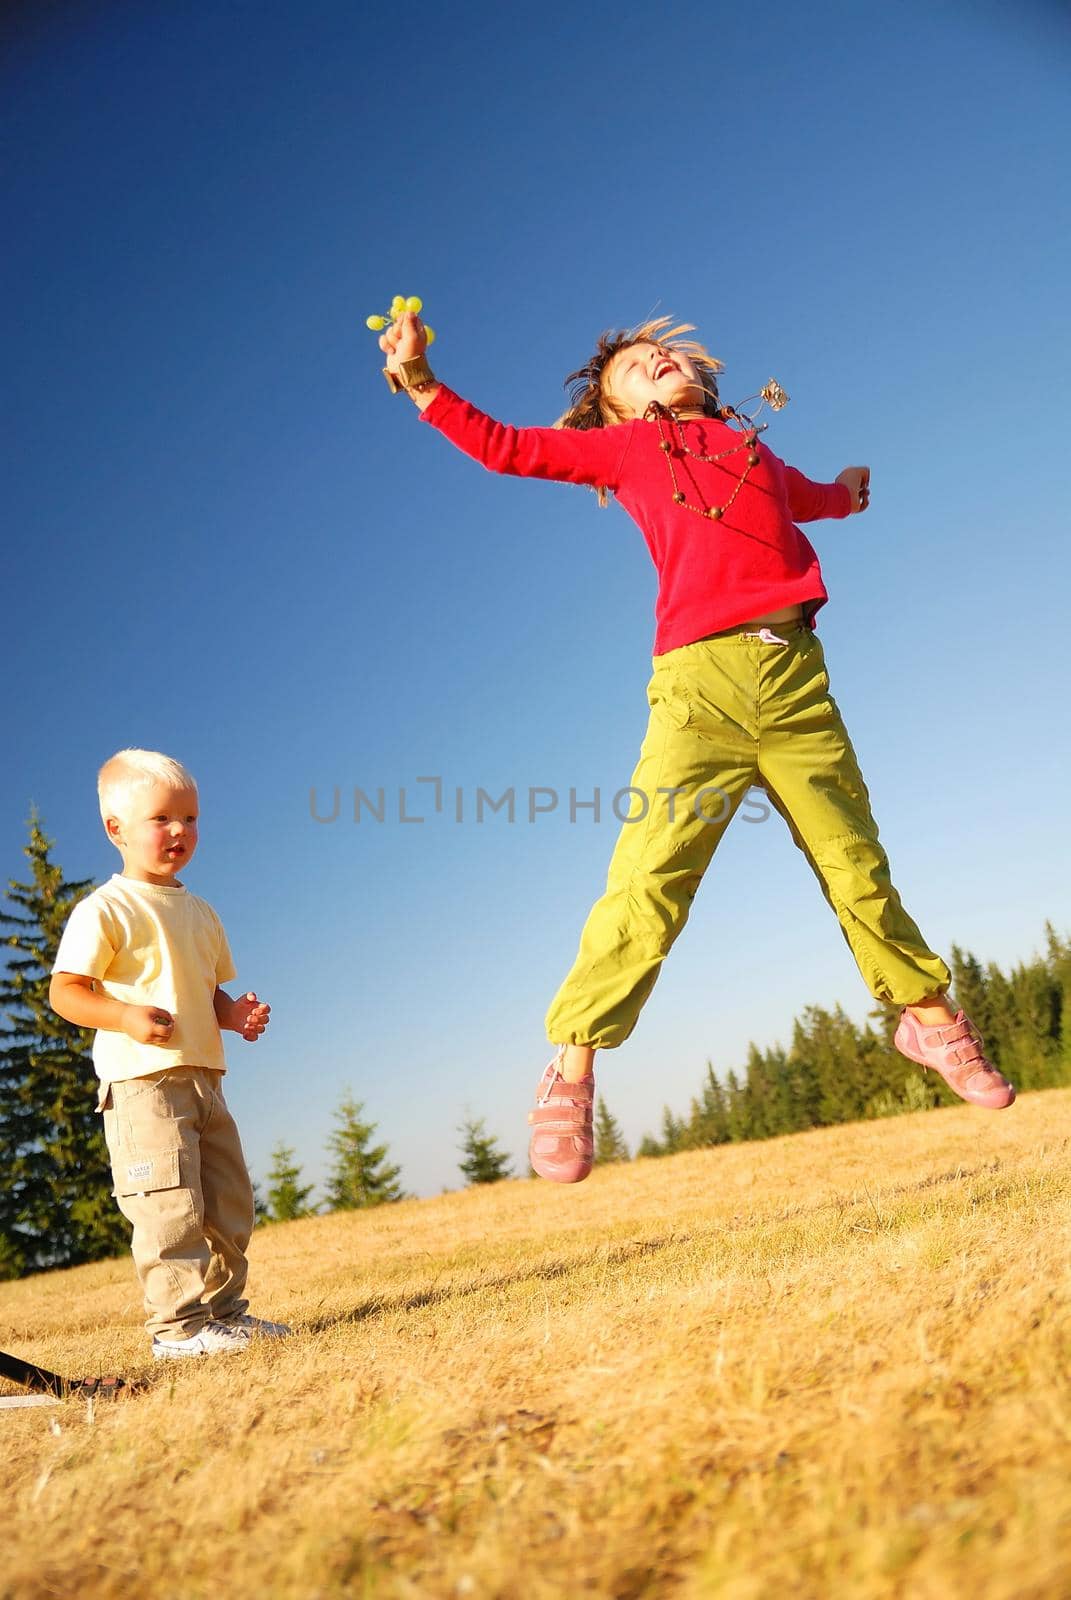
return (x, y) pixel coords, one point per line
(835, 1364)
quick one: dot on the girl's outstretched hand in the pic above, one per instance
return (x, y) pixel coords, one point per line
(404, 340)
(856, 480)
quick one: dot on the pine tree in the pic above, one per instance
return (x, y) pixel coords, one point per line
(674, 1137)
(846, 1067)
(672, 1132)
(1058, 957)
(1033, 1054)
(609, 1140)
(915, 1095)
(261, 1214)
(288, 1197)
(361, 1175)
(738, 1110)
(708, 1122)
(484, 1161)
(56, 1207)
(761, 1090)
(972, 991)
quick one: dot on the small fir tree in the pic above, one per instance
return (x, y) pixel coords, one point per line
(708, 1123)
(288, 1197)
(484, 1160)
(737, 1110)
(361, 1176)
(672, 1133)
(674, 1137)
(261, 1214)
(914, 1095)
(609, 1140)
(56, 1207)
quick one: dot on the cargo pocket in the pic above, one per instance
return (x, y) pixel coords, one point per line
(668, 701)
(164, 1211)
(145, 1172)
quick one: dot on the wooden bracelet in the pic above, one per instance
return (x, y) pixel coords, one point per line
(415, 374)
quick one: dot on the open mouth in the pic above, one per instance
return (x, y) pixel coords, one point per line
(664, 366)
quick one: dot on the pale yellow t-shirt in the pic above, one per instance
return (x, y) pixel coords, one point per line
(150, 944)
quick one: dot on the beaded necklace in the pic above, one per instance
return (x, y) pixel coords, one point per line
(772, 393)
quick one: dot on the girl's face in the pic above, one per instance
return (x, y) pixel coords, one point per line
(642, 373)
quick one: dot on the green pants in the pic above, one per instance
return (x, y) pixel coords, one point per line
(727, 713)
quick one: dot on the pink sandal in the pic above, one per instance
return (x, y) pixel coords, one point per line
(562, 1146)
(955, 1051)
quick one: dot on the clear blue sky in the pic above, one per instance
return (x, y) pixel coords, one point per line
(227, 541)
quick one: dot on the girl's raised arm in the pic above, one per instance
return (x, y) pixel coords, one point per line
(593, 456)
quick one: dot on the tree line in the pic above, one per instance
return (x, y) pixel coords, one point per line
(55, 1184)
(836, 1071)
(361, 1174)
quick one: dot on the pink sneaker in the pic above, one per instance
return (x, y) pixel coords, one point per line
(562, 1146)
(957, 1053)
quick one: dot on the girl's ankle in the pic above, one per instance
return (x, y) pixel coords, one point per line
(577, 1062)
(934, 1012)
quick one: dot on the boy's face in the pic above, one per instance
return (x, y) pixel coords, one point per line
(642, 373)
(159, 835)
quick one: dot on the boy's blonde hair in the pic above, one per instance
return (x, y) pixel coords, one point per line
(589, 404)
(123, 774)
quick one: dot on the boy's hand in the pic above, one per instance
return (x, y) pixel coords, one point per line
(249, 1016)
(403, 341)
(857, 481)
(147, 1024)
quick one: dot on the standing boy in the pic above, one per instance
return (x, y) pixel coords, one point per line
(141, 961)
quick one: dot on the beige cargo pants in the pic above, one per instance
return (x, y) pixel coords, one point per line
(736, 710)
(182, 1183)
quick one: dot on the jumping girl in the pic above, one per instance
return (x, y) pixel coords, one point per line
(739, 697)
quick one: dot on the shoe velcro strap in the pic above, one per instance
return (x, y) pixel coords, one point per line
(544, 1144)
(559, 1124)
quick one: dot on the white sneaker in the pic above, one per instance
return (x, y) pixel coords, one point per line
(256, 1327)
(214, 1339)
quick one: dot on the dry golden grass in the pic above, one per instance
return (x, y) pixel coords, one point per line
(835, 1364)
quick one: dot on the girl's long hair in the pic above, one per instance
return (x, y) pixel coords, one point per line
(590, 407)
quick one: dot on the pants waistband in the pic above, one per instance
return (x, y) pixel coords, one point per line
(798, 625)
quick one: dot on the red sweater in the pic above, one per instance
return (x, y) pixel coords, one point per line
(711, 575)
